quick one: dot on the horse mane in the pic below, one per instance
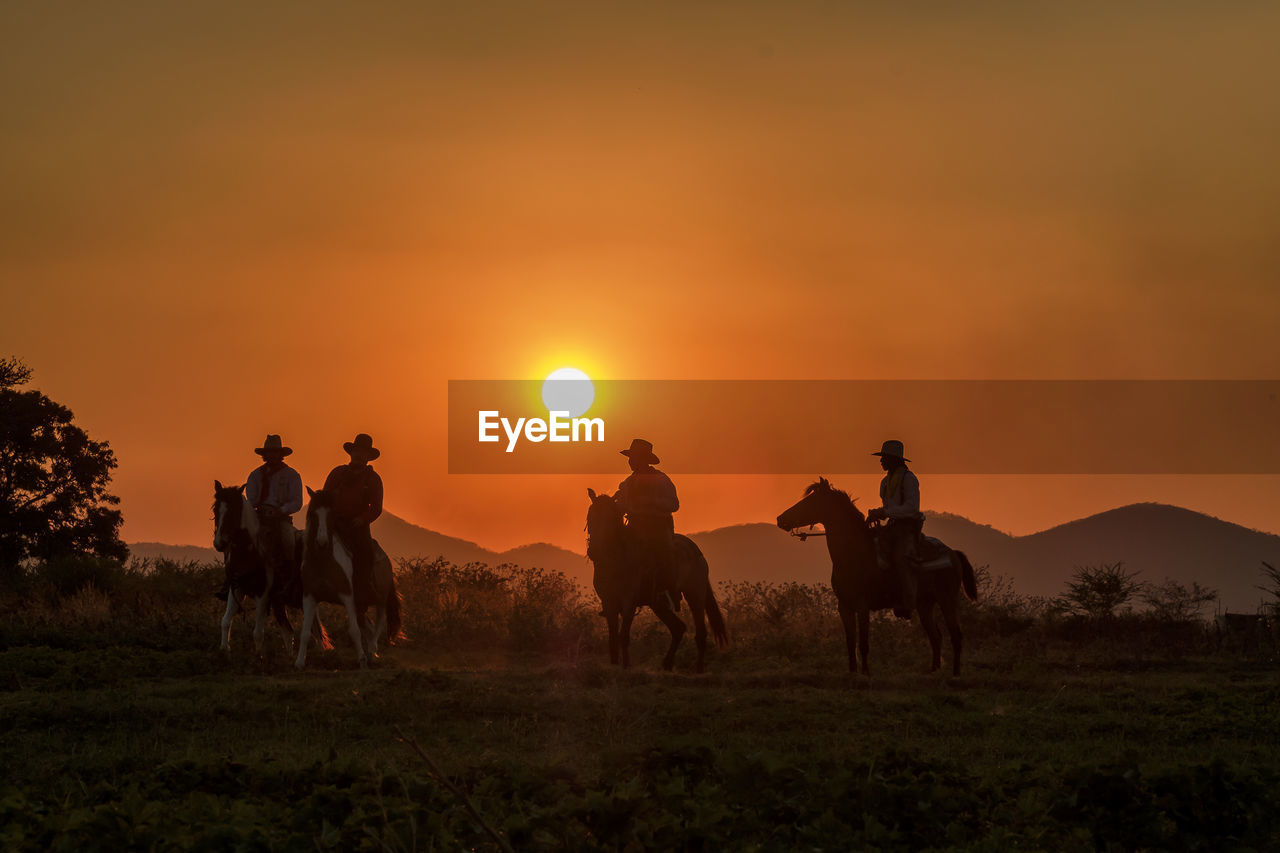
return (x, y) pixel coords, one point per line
(845, 502)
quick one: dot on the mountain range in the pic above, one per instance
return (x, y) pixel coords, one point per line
(1156, 540)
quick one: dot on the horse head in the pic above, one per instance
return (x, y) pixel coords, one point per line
(822, 503)
(604, 521)
(228, 506)
(318, 516)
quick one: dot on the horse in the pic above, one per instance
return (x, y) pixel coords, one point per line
(327, 575)
(862, 584)
(236, 534)
(622, 589)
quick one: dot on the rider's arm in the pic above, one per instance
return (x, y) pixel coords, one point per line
(375, 498)
(292, 493)
(253, 487)
(664, 495)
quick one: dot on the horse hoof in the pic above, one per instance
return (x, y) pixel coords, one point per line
(364, 663)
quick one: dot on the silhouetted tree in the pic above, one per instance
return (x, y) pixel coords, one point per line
(1175, 602)
(1271, 575)
(1098, 591)
(53, 480)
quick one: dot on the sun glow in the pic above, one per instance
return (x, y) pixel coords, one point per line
(568, 389)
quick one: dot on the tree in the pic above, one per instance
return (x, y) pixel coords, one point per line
(1175, 602)
(53, 480)
(1097, 591)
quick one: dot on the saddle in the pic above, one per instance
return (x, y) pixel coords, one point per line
(931, 554)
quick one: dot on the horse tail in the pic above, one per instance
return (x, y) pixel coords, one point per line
(716, 619)
(967, 579)
(394, 625)
(319, 633)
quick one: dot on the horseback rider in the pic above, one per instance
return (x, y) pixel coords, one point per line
(274, 490)
(900, 499)
(648, 498)
(357, 502)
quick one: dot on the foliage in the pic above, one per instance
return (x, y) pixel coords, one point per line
(507, 606)
(1271, 585)
(1097, 592)
(1172, 601)
(53, 481)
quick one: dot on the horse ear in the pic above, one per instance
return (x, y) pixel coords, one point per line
(310, 493)
(591, 493)
(240, 489)
(217, 485)
(822, 481)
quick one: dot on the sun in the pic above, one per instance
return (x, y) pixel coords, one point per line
(568, 389)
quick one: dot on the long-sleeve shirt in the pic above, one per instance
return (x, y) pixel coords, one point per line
(284, 491)
(900, 494)
(356, 491)
(648, 494)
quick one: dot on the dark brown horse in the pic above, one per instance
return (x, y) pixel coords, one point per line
(622, 589)
(236, 535)
(861, 584)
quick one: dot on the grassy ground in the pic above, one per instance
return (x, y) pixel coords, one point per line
(159, 749)
(122, 727)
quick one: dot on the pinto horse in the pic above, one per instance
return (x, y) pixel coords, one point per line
(861, 584)
(328, 576)
(236, 534)
(622, 589)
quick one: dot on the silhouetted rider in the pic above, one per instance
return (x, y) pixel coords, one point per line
(357, 502)
(648, 497)
(274, 490)
(900, 499)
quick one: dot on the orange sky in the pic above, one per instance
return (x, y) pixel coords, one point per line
(224, 221)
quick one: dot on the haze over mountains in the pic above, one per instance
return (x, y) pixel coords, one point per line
(1157, 540)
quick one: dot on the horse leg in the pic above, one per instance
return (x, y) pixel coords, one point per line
(624, 632)
(612, 619)
(677, 628)
(379, 625)
(864, 637)
(930, 626)
(284, 625)
(260, 621)
(698, 607)
(233, 604)
(353, 626)
(308, 619)
(951, 617)
(848, 617)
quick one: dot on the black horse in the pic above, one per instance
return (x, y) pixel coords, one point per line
(622, 588)
(861, 583)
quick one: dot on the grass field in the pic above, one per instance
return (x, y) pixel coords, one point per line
(113, 741)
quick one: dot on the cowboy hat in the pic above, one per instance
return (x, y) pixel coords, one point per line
(892, 447)
(362, 445)
(641, 451)
(273, 444)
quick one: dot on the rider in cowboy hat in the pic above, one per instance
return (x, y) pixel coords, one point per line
(900, 496)
(648, 497)
(274, 490)
(357, 501)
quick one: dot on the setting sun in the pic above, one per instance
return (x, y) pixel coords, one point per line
(568, 389)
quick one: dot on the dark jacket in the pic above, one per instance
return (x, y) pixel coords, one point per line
(357, 493)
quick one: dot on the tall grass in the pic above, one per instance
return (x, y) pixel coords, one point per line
(524, 611)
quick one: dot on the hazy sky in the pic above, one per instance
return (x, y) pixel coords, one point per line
(222, 220)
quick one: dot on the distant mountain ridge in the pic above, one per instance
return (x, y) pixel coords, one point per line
(1157, 540)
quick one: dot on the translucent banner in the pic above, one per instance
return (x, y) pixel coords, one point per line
(829, 426)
